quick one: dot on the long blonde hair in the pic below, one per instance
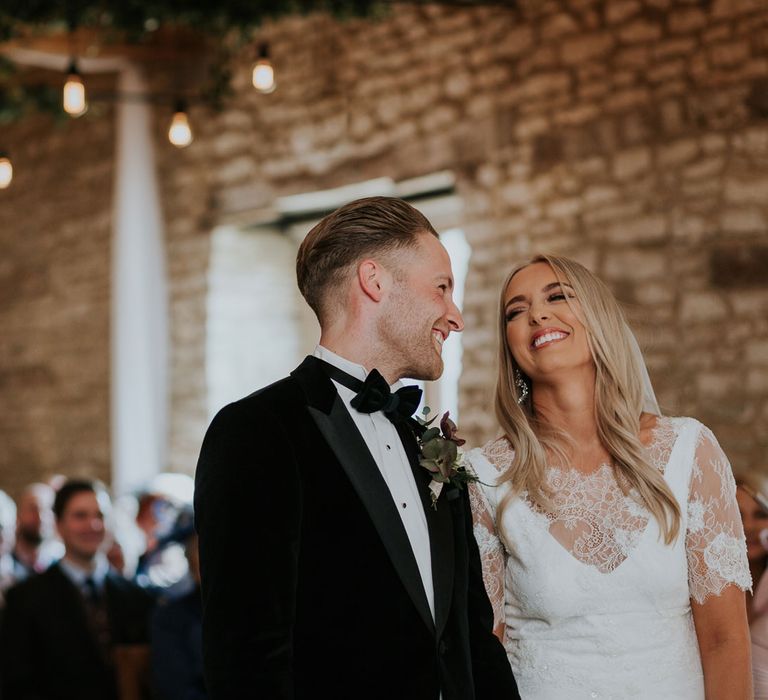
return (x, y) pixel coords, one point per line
(618, 404)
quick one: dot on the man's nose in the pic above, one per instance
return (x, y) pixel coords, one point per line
(455, 318)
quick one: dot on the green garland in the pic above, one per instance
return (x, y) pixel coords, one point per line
(135, 19)
(231, 22)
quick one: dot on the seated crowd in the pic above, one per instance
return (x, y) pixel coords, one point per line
(86, 612)
(82, 618)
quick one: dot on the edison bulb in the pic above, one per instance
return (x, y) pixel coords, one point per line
(6, 172)
(264, 76)
(74, 95)
(180, 133)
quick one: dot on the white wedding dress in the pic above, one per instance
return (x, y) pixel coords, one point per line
(594, 604)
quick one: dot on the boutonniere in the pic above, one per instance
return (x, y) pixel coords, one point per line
(441, 457)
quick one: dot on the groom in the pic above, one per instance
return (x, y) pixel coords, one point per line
(326, 573)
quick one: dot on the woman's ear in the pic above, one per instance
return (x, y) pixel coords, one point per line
(371, 277)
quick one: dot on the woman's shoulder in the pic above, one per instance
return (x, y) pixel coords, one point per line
(493, 457)
(655, 429)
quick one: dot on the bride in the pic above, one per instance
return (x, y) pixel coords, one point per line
(612, 548)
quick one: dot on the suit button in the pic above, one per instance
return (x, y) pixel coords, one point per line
(442, 648)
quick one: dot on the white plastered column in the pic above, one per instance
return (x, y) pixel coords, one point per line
(139, 299)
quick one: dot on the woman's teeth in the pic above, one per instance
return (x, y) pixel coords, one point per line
(548, 338)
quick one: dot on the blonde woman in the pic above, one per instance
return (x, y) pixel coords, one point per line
(611, 541)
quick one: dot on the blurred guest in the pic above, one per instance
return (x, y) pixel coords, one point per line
(177, 644)
(163, 566)
(116, 557)
(7, 525)
(751, 494)
(77, 630)
(36, 546)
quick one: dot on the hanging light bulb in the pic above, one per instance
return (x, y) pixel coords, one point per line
(263, 72)
(6, 170)
(74, 92)
(180, 133)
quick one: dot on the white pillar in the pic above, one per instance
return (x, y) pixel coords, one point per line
(139, 299)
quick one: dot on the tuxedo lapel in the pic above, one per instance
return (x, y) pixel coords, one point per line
(337, 427)
(440, 526)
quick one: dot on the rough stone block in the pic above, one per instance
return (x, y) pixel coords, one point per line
(686, 20)
(757, 381)
(631, 163)
(627, 99)
(557, 26)
(706, 167)
(618, 11)
(596, 195)
(640, 31)
(634, 265)
(644, 230)
(702, 307)
(586, 48)
(516, 194)
(747, 190)
(666, 71)
(674, 47)
(545, 84)
(729, 54)
(756, 351)
(578, 115)
(739, 266)
(564, 208)
(677, 152)
(743, 220)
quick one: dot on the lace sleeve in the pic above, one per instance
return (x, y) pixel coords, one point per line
(715, 545)
(492, 553)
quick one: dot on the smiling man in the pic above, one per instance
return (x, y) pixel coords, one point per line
(352, 585)
(65, 629)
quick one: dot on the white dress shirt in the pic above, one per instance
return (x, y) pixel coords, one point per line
(384, 443)
(78, 575)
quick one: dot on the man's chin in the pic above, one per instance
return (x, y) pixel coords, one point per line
(431, 373)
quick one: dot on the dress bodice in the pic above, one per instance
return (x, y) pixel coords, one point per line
(591, 597)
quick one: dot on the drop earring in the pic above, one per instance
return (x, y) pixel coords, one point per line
(522, 387)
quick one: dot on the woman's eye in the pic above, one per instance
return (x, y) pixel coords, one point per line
(557, 296)
(512, 313)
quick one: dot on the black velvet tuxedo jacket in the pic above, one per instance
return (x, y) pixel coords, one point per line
(47, 649)
(310, 587)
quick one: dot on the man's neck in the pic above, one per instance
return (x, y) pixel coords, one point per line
(84, 564)
(361, 352)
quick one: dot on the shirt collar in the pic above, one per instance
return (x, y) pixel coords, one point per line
(78, 575)
(356, 370)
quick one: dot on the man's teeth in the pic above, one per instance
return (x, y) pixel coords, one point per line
(439, 338)
(548, 337)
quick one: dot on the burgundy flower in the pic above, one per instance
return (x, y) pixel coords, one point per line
(449, 430)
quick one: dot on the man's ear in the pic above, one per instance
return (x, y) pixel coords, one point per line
(372, 279)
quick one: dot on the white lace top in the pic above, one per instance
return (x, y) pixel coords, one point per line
(592, 581)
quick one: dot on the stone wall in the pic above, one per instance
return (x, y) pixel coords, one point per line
(630, 134)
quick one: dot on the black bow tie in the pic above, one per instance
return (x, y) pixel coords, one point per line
(374, 394)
